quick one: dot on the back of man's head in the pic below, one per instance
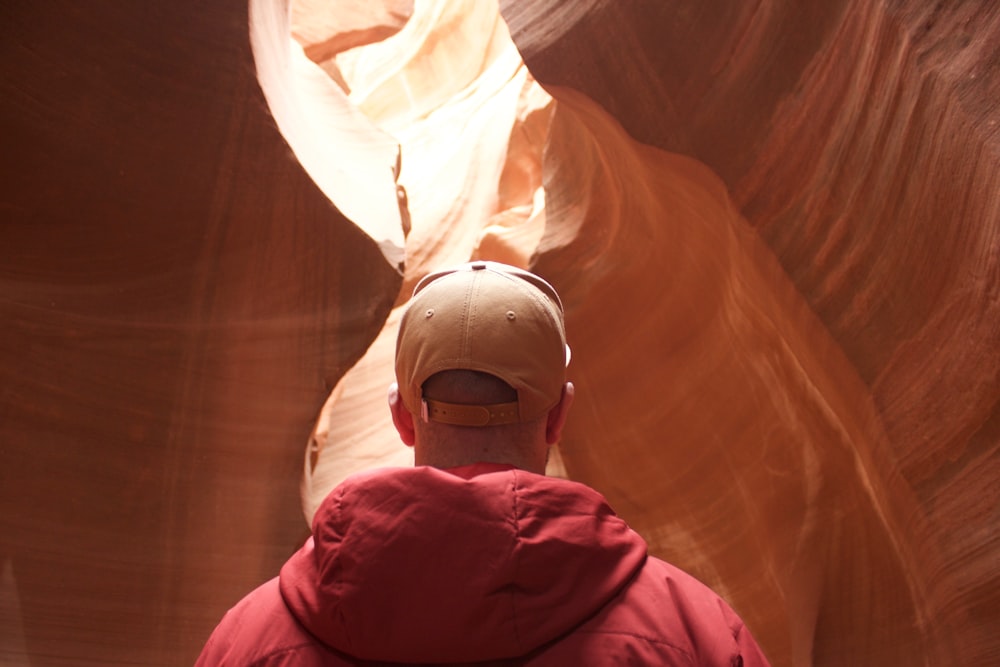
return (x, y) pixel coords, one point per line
(481, 359)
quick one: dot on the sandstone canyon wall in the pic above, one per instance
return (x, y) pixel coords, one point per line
(775, 225)
(177, 299)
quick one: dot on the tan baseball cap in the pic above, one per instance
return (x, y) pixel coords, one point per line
(487, 317)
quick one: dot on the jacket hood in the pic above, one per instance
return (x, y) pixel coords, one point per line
(476, 563)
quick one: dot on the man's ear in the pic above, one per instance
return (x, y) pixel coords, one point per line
(402, 419)
(558, 414)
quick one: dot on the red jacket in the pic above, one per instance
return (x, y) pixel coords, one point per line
(482, 563)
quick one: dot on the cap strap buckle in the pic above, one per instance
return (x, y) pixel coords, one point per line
(469, 415)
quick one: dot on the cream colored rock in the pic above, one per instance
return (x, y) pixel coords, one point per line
(326, 28)
(471, 167)
(354, 163)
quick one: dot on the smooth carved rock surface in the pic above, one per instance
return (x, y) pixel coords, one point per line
(177, 299)
(775, 228)
(864, 152)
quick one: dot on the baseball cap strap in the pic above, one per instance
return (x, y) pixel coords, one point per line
(469, 415)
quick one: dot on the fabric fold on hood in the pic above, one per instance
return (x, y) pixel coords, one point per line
(476, 563)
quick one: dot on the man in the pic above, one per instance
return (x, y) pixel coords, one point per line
(474, 556)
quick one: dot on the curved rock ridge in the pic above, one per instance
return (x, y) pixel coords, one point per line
(749, 455)
(861, 142)
(355, 164)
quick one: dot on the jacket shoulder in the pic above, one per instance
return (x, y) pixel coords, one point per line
(663, 616)
(261, 632)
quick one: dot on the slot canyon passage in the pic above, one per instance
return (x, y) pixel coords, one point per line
(775, 226)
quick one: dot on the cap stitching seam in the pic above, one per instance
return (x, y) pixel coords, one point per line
(467, 317)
